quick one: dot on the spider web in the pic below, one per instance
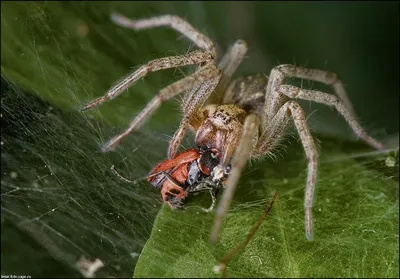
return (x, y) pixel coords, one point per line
(64, 214)
(58, 189)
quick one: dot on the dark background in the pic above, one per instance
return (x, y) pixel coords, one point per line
(56, 56)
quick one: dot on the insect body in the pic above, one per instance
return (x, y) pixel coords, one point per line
(188, 172)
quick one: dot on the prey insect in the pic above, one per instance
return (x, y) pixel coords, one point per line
(243, 118)
(187, 173)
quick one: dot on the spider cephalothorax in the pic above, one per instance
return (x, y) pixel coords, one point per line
(242, 119)
(220, 128)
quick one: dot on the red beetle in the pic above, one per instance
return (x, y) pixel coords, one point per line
(188, 172)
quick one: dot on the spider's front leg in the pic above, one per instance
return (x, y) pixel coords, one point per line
(192, 104)
(201, 76)
(194, 57)
(203, 57)
(239, 160)
(175, 22)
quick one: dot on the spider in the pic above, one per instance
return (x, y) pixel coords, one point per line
(244, 118)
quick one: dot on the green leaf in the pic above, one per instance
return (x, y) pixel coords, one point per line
(355, 218)
(69, 52)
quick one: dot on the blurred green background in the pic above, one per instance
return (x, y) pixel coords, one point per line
(56, 56)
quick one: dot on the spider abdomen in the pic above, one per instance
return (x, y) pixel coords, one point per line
(248, 93)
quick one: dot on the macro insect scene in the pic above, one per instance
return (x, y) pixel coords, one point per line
(200, 139)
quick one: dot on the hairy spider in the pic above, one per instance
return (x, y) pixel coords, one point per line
(243, 118)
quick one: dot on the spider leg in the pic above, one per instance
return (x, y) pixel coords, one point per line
(201, 76)
(228, 65)
(175, 22)
(178, 137)
(239, 160)
(195, 57)
(192, 105)
(273, 131)
(230, 62)
(272, 134)
(278, 75)
(232, 59)
(321, 76)
(331, 100)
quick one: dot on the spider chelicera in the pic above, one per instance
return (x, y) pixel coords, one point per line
(244, 118)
